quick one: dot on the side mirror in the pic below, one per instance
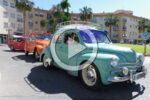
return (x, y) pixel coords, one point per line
(106, 32)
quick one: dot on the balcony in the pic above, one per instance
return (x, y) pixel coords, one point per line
(124, 28)
(30, 15)
(19, 20)
(115, 35)
(48, 16)
(20, 29)
(30, 24)
(115, 28)
(124, 20)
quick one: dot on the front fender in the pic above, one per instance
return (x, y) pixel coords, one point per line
(47, 52)
(102, 62)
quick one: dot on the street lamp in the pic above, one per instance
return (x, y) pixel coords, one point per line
(9, 33)
(124, 35)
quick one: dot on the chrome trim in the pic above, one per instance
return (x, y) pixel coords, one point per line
(130, 66)
(126, 63)
(118, 79)
(131, 77)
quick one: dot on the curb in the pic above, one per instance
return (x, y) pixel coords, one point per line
(147, 55)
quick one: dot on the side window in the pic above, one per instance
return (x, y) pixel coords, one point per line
(19, 40)
(71, 38)
(15, 39)
(32, 38)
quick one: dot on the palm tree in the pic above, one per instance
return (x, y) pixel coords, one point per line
(85, 13)
(65, 5)
(57, 17)
(24, 5)
(143, 25)
(110, 21)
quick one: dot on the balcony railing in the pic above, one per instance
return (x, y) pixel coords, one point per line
(20, 29)
(124, 28)
(124, 20)
(115, 28)
(20, 20)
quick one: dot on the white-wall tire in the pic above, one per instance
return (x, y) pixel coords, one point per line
(90, 77)
(46, 61)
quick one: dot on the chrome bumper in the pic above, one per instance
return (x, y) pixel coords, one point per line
(132, 77)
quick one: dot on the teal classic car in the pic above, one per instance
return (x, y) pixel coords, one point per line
(86, 51)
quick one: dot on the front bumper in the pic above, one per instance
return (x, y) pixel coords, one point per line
(132, 77)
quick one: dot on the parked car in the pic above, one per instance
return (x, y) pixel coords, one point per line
(36, 43)
(141, 44)
(17, 43)
(148, 44)
(111, 64)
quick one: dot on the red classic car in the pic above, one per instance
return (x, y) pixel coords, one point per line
(17, 43)
(36, 43)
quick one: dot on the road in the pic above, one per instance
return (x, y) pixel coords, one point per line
(23, 78)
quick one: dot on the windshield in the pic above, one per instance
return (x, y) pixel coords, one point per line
(43, 37)
(89, 35)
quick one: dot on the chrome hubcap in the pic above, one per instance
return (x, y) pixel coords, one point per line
(89, 75)
(45, 61)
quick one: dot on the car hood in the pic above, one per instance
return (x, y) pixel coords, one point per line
(125, 54)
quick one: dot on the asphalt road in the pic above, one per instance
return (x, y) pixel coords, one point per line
(22, 78)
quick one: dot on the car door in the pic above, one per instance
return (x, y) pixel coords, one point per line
(20, 43)
(69, 45)
(32, 43)
(58, 47)
(14, 43)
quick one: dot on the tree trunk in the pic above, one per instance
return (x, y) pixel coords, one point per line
(24, 16)
(110, 30)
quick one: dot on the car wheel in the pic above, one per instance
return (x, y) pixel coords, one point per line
(36, 55)
(46, 62)
(12, 48)
(26, 53)
(90, 77)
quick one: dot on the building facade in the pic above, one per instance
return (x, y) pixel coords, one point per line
(11, 20)
(33, 21)
(126, 29)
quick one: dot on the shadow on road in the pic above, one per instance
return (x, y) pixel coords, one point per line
(28, 59)
(13, 51)
(57, 81)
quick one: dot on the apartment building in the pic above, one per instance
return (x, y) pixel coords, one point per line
(11, 20)
(126, 29)
(33, 21)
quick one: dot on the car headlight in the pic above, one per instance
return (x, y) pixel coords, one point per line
(114, 62)
(142, 58)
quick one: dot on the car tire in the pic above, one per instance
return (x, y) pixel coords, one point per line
(36, 56)
(46, 62)
(26, 53)
(90, 77)
(12, 48)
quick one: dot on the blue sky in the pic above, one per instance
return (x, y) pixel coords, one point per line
(139, 7)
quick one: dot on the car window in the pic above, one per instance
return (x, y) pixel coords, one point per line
(71, 38)
(15, 39)
(19, 40)
(88, 36)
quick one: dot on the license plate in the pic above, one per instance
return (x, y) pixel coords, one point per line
(139, 75)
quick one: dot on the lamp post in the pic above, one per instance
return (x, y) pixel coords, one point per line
(124, 35)
(9, 33)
